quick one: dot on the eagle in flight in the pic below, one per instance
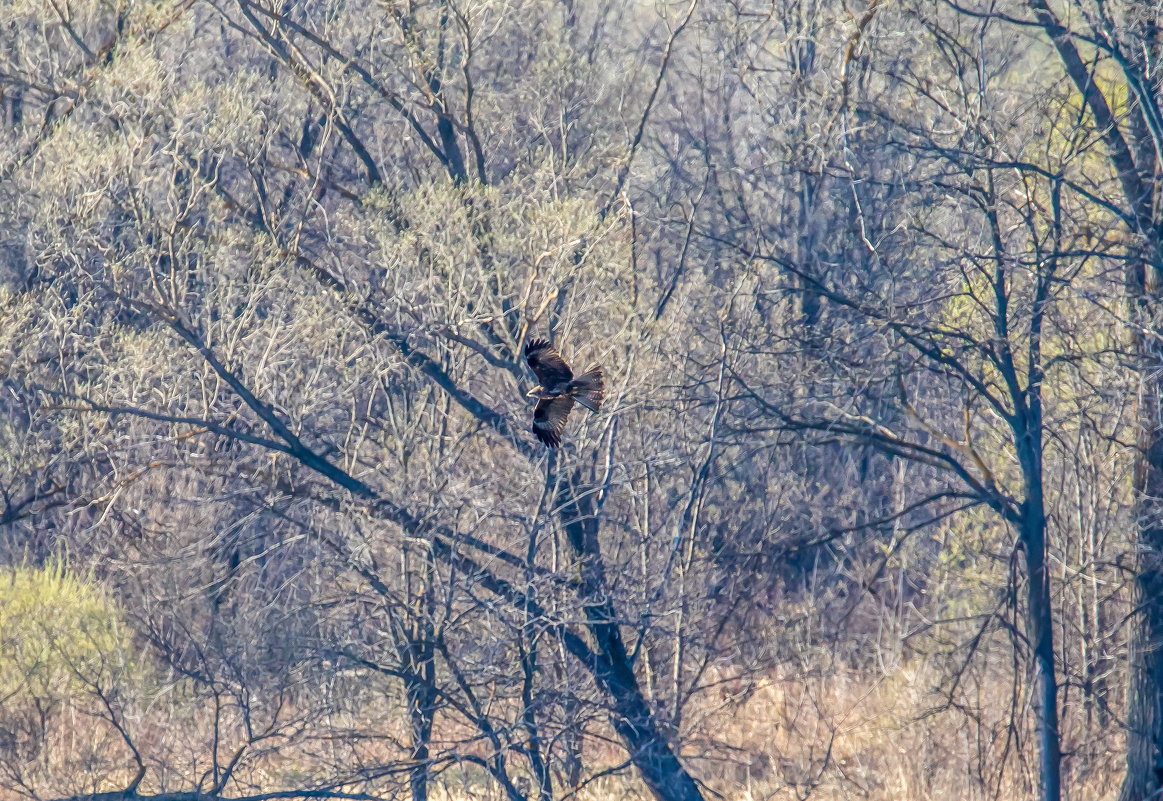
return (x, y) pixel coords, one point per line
(558, 390)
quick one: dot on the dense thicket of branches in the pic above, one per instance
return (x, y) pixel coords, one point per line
(871, 509)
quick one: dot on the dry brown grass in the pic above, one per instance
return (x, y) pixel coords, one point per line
(845, 735)
(839, 734)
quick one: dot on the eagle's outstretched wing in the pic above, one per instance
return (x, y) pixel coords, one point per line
(549, 419)
(550, 369)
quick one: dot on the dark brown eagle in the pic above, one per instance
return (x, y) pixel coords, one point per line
(558, 390)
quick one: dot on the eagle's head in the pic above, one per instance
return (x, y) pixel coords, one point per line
(540, 393)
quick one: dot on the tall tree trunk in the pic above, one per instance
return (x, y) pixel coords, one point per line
(650, 750)
(421, 695)
(1027, 424)
(1134, 161)
(1144, 774)
(420, 691)
(1041, 620)
(417, 651)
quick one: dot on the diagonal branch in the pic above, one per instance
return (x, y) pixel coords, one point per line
(353, 66)
(1138, 193)
(636, 140)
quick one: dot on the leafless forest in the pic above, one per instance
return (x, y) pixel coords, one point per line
(872, 508)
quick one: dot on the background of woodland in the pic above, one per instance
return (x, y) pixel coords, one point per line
(271, 517)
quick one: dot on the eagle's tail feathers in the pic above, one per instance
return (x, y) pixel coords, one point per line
(589, 389)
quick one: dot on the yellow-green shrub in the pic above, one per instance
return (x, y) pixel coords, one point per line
(60, 635)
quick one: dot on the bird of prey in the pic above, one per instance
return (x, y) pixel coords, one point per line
(559, 390)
